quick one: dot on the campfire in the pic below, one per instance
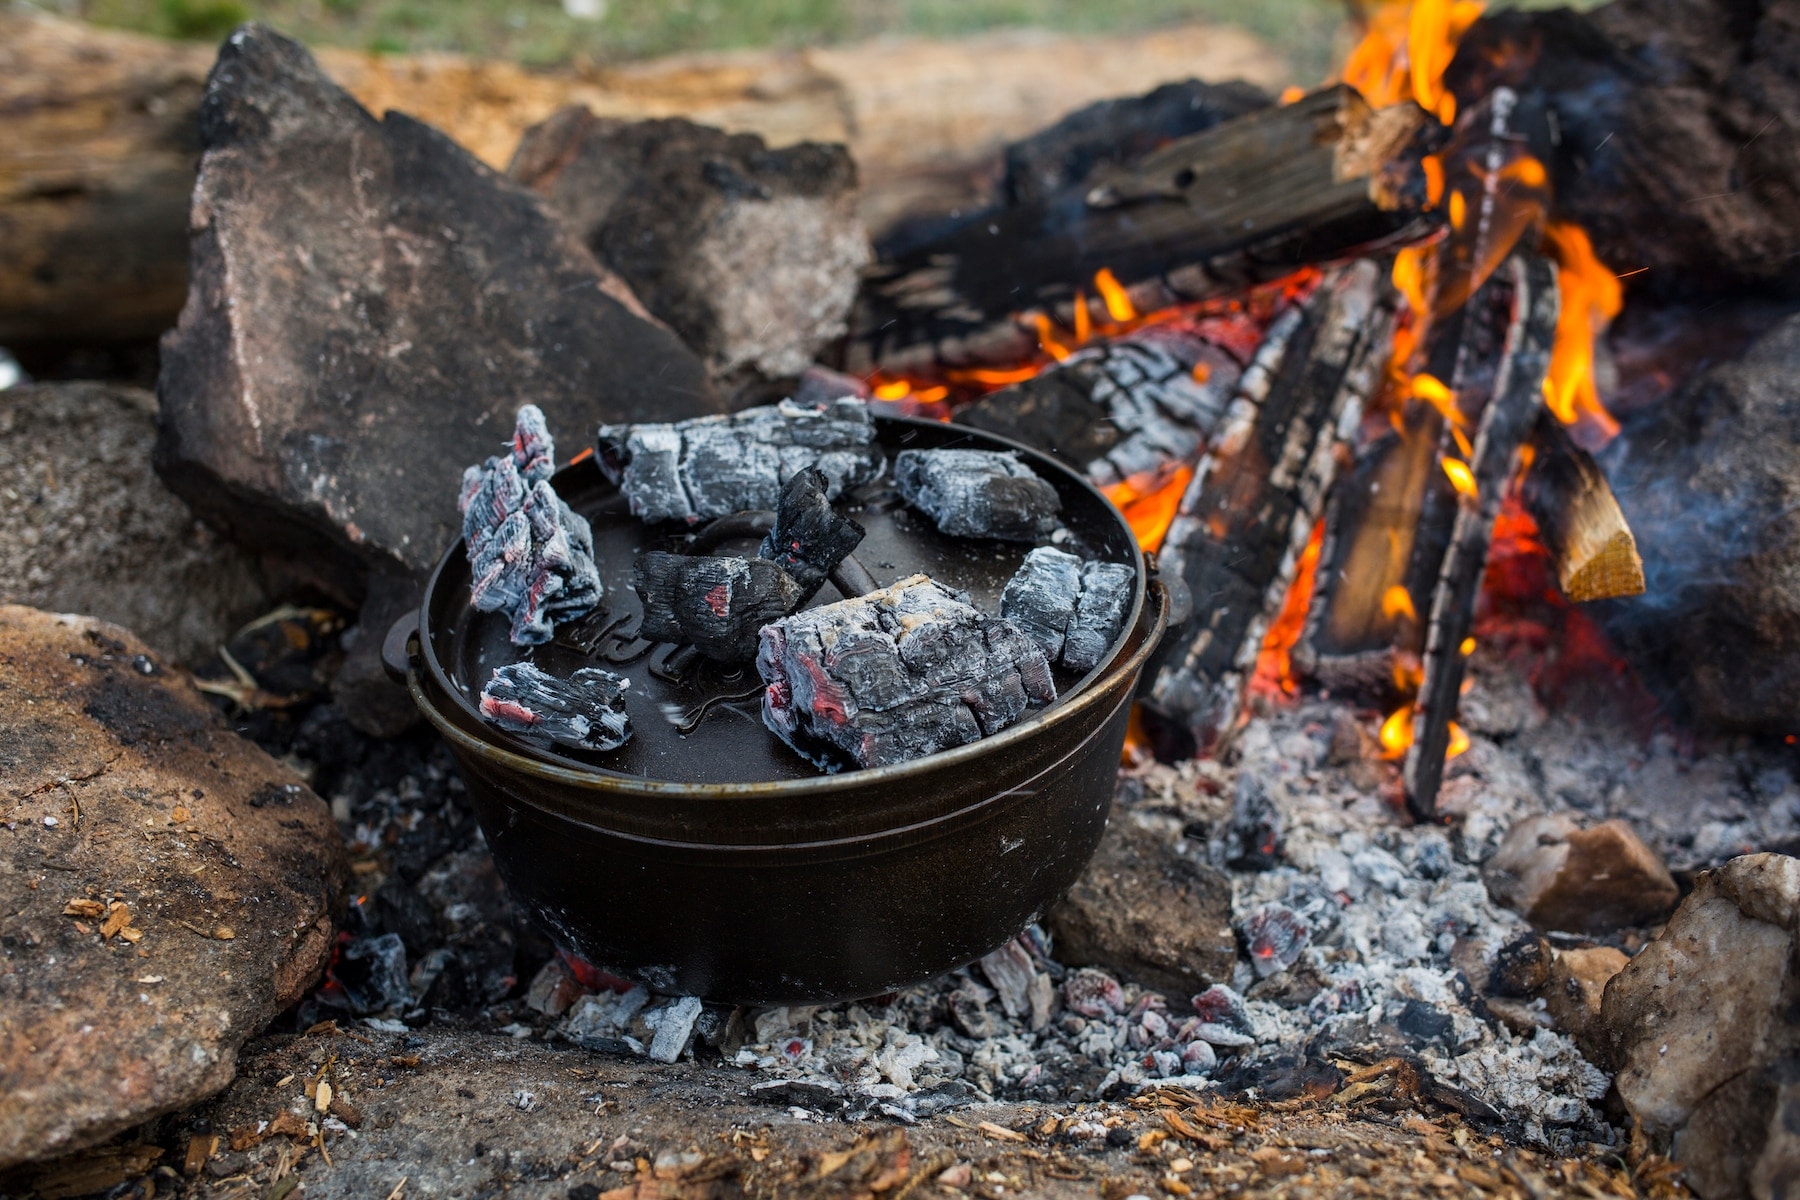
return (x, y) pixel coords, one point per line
(1278, 620)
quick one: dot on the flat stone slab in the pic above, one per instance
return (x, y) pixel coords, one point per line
(165, 887)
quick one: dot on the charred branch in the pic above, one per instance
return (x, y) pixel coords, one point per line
(809, 539)
(1250, 510)
(586, 711)
(1591, 545)
(1506, 421)
(713, 466)
(896, 674)
(715, 604)
(1245, 202)
(978, 494)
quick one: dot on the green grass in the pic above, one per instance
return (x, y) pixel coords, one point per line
(1310, 33)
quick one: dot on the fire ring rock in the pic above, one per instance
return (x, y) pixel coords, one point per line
(155, 914)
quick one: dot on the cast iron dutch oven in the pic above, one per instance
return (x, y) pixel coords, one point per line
(720, 864)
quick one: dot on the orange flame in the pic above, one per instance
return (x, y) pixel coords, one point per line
(1405, 49)
(1461, 478)
(1398, 602)
(1591, 297)
(1459, 741)
(1274, 677)
(1150, 510)
(1113, 294)
(1396, 736)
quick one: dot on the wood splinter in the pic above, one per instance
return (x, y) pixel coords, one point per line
(1590, 544)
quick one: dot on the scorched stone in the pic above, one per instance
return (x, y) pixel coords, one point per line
(978, 494)
(530, 555)
(166, 887)
(700, 469)
(897, 674)
(1073, 609)
(586, 711)
(368, 305)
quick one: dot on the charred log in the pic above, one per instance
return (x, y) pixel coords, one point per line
(1250, 510)
(1073, 610)
(586, 711)
(715, 604)
(1506, 421)
(896, 674)
(1250, 200)
(714, 466)
(978, 494)
(809, 539)
(1590, 543)
(1130, 407)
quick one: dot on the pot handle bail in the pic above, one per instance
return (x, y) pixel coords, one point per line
(397, 648)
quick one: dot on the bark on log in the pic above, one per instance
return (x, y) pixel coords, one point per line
(1250, 510)
(1590, 544)
(1243, 203)
(1506, 421)
(98, 157)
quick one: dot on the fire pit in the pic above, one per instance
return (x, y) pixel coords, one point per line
(704, 857)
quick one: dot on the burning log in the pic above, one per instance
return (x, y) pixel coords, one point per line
(530, 555)
(715, 604)
(896, 674)
(1130, 407)
(714, 466)
(1072, 609)
(1248, 201)
(978, 494)
(1250, 510)
(1590, 544)
(1506, 421)
(586, 711)
(809, 539)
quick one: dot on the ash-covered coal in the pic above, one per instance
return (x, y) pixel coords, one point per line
(530, 555)
(897, 674)
(715, 604)
(714, 466)
(586, 711)
(1074, 609)
(810, 538)
(978, 494)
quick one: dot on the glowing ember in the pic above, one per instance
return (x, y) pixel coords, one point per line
(1461, 478)
(1467, 648)
(1396, 735)
(1591, 297)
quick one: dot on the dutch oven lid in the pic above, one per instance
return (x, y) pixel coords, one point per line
(730, 744)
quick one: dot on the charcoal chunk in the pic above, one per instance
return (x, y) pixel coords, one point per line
(714, 466)
(530, 555)
(897, 674)
(1073, 609)
(586, 711)
(809, 539)
(978, 494)
(715, 604)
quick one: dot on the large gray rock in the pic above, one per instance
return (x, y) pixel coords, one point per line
(368, 307)
(1147, 912)
(1700, 1028)
(751, 254)
(166, 887)
(1710, 481)
(91, 529)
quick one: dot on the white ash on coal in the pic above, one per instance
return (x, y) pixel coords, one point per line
(897, 674)
(1071, 608)
(586, 711)
(530, 555)
(714, 603)
(714, 466)
(978, 494)
(810, 538)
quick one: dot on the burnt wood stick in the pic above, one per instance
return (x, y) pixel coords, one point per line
(1248, 201)
(810, 539)
(714, 604)
(1250, 510)
(1591, 545)
(1505, 423)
